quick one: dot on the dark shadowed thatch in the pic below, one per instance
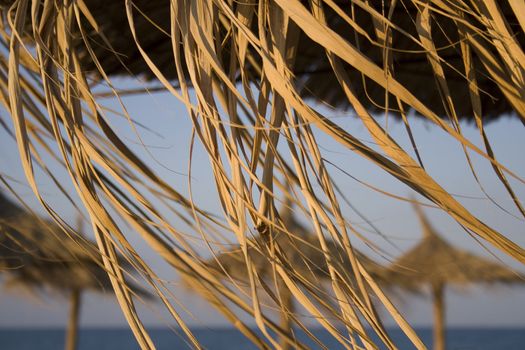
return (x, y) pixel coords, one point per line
(36, 254)
(435, 263)
(409, 63)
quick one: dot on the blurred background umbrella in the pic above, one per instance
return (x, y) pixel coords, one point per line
(36, 254)
(435, 263)
(302, 252)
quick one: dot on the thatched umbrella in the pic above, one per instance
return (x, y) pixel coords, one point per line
(36, 254)
(434, 262)
(302, 252)
(118, 55)
(314, 75)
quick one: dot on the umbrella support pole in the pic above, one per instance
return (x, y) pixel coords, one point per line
(72, 327)
(439, 316)
(286, 320)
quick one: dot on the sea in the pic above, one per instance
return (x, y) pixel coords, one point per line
(230, 339)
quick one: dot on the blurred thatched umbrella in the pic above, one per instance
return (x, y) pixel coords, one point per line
(302, 252)
(36, 254)
(117, 53)
(435, 263)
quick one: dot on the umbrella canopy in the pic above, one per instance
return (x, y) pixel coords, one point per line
(301, 250)
(36, 253)
(434, 263)
(118, 55)
(303, 253)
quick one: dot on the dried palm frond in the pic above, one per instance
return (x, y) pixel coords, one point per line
(247, 72)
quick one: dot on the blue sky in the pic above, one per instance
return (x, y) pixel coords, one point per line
(168, 155)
